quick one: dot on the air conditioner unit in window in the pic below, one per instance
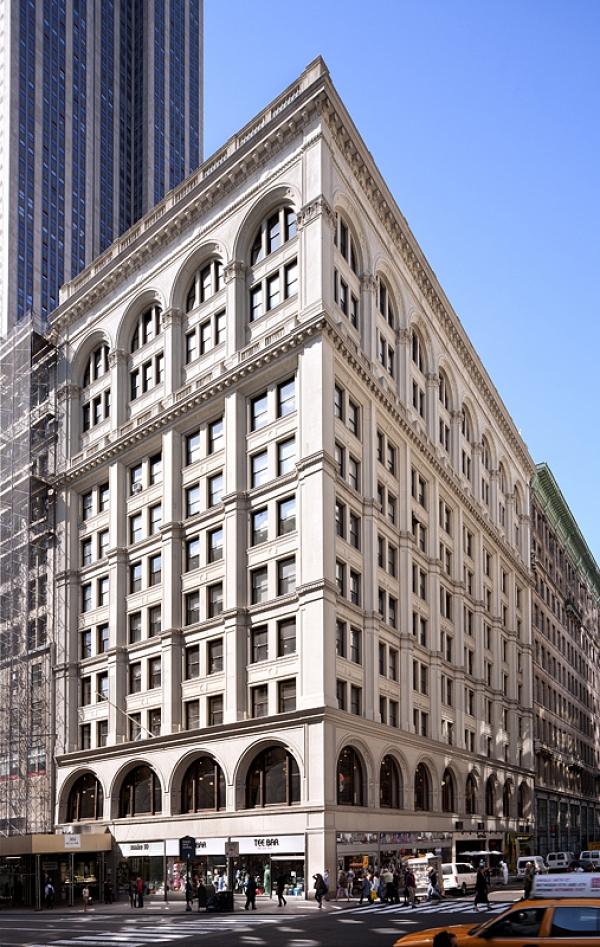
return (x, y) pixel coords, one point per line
(136, 488)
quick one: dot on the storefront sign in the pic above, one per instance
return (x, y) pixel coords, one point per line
(271, 844)
(139, 849)
(204, 846)
(72, 841)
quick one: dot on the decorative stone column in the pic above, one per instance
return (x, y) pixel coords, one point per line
(368, 309)
(316, 227)
(172, 321)
(403, 361)
(235, 275)
(171, 550)
(431, 406)
(455, 427)
(69, 420)
(119, 389)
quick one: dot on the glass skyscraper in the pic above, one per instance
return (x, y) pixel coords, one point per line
(101, 111)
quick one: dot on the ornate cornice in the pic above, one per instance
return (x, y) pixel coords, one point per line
(236, 269)
(320, 207)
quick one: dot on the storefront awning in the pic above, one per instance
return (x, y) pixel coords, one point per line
(52, 844)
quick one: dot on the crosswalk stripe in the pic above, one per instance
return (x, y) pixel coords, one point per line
(448, 908)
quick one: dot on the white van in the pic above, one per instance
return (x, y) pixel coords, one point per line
(559, 861)
(459, 877)
(538, 863)
(590, 859)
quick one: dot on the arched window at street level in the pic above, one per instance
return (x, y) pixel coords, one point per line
(273, 779)
(448, 792)
(390, 784)
(422, 789)
(351, 790)
(203, 786)
(471, 795)
(86, 799)
(140, 793)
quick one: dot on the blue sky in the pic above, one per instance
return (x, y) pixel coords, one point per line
(484, 119)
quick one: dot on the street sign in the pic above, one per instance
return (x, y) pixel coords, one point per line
(187, 847)
(232, 849)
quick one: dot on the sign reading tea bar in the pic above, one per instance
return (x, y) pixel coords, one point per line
(270, 844)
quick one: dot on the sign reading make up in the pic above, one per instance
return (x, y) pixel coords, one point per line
(270, 844)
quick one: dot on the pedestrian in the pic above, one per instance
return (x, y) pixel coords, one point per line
(132, 897)
(189, 894)
(481, 889)
(444, 939)
(108, 893)
(320, 889)
(504, 870)
(410, 887)
(280, 883)
(395, 887)
(139, 892)
(386, 886)
(433, 892)
(365, 889)
(250, 887)
(85, 894)
(49, 894)
(350, 880)
(528, 880)
(342, 885)
(326, 882)
(202, 894)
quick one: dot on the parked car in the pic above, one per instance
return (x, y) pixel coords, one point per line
(559, 861)
(538, 863)
(591, 858)
(459, 877)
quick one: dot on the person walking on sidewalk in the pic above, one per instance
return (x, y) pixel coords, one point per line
(365, 889)
(280, 883)
(250, 893)
(85, 894)
(320, 889)
(139, 892)
(410, 886)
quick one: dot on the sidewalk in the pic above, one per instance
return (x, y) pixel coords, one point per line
(157, 905)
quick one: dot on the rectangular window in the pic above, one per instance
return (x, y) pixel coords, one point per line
(256, 302)
(354, 530)
(340, 638)
(286, 576)
(259, 527)
(259, 701)
(216, 436)
(356, 645)
(393, 714)
(353, 418)
(103, 497)
(355, 700)
(86, 691)
(220, 327)
(154, 673)
(259, 415)
(192, 715)
(340, 577)
(86, 551)
(155, 518)
(286, 456)
(192, 662)
(215, 489)
(192, 500)
(155, 570)
(286, 398)
(353, 472)
(286, 637)
(291, 279)
(214, 543)
(355, 581)
(259, 585)
(192, 608)
(259, 469)
(286, 696)
(206, 337)
(135, 726)
(340, 692)
(192, 448)
(86, 597)
(154, 621)
(86, 644)
(154, 721)
(215, 599)
(135, 627)
(191, 347)
(135, 677)
(192, 554)
(339, 454)
(286, 516)
(214, 656)
(85, 736)
(338, 402)
(103, 544)
(102, 638)
(273, 293)
(215, 710)
(102, 686)
(87, 506)
(259, 644)
(102, 733)
(135, 528)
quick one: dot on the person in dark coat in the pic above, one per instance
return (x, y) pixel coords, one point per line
(481, 889)
(250, 887)
(280, 883)
(202, 894)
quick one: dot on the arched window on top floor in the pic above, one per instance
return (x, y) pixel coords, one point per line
(346, 283)
(502, 487)
(345, 243)
(418, 367)
(466, 444)
(486, 466)
(206, 282)
(445, 407)
(147, 326)
(95, 403)
(273, 286)
(275, 230)
(386, 339)
(385, 303)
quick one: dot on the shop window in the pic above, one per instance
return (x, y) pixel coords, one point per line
(203, 786)
(273, 779)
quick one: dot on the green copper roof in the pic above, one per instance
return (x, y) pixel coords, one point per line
(549, 497)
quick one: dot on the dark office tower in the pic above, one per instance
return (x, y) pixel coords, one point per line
(101, 115)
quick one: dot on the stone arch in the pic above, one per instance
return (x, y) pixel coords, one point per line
(488, 438)
(282, 194)
(69, 784)
(175, 780)
(418, 325)
(471, 793)
(508, 792)
(344, 204)
(351, 789)
(120, 777)
(468, 405)
(519, 499)
(423, 783)
(491, 795)
(382, 267)
(242, 767)
(391, 794)
(449, 791)
(84, 350)
(209, 250)
(146, 298)
(446, 370)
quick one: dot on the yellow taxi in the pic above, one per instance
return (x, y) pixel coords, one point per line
(563, 909)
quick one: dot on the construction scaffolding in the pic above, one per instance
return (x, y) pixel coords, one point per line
(27, 554)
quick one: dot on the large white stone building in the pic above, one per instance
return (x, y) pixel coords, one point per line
(295, 586)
